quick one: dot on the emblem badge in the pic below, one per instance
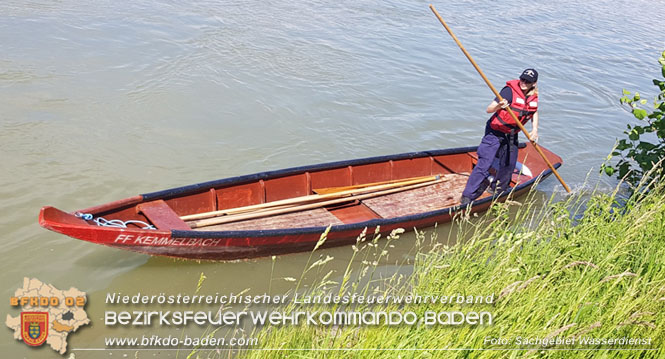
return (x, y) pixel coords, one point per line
(34, 327)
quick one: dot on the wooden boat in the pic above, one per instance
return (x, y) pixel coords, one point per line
(286, 211)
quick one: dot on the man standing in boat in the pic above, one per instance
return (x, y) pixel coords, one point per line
(499, 145)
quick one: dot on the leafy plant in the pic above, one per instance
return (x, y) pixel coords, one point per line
(637, 154)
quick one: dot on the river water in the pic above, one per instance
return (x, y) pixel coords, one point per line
(102, 100)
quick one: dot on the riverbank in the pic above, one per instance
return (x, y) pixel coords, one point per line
(578, 278)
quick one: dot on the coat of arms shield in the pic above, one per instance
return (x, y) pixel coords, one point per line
(34, 327)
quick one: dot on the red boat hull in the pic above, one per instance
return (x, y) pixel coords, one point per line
(182, 242)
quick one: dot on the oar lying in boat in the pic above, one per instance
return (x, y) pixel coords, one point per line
(328, 190)
(302, 207)
(330, 193)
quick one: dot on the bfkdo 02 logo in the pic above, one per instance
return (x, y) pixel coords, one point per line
(48, 315)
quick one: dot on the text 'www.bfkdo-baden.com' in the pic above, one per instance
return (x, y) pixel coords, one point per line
(173, 341)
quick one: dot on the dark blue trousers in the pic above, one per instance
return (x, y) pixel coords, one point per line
(497, 155)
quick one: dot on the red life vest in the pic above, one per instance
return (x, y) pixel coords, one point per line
(523, 107)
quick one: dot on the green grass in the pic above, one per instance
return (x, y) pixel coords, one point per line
(572, 269)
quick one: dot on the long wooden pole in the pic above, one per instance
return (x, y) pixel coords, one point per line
(296, 201)
(260, 214)
(328, 190)
(487, 81)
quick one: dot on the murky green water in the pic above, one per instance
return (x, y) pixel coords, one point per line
(104, 100)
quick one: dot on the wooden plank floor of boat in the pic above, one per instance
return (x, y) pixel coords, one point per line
(319, 217)
(419, 200)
